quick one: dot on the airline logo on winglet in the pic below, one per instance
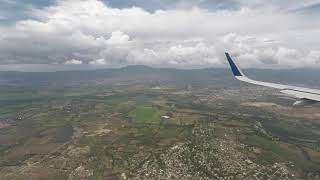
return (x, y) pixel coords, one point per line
(235, 70)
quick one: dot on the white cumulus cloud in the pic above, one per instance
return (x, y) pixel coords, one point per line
(98, 62)
(73, 62)
(91, 32)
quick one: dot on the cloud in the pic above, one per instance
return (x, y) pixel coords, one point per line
(73, 62)
(91, 32)
(118, 38)
(153, 5)
(255, 52)
(98, 62)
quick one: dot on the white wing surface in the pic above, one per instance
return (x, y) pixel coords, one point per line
(304, 94)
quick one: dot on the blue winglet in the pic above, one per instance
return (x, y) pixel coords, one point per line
(235, 70)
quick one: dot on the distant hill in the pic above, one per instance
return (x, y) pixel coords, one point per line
(141, 74)
(137, 67)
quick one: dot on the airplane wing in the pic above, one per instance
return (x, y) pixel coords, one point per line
(306, 95)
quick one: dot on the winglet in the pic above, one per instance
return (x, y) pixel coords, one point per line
(235, 69)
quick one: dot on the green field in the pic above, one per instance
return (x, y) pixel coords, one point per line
(109, 131)
(142, 114)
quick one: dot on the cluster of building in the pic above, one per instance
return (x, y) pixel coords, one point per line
(209, 157)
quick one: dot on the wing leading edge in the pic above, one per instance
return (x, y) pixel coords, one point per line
(305, 94)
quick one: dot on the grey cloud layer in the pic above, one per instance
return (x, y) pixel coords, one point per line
(90, 32)
(153, 5)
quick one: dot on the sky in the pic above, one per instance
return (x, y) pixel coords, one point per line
(160, 33)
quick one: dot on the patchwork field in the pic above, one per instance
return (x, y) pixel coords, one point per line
(135, 131)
